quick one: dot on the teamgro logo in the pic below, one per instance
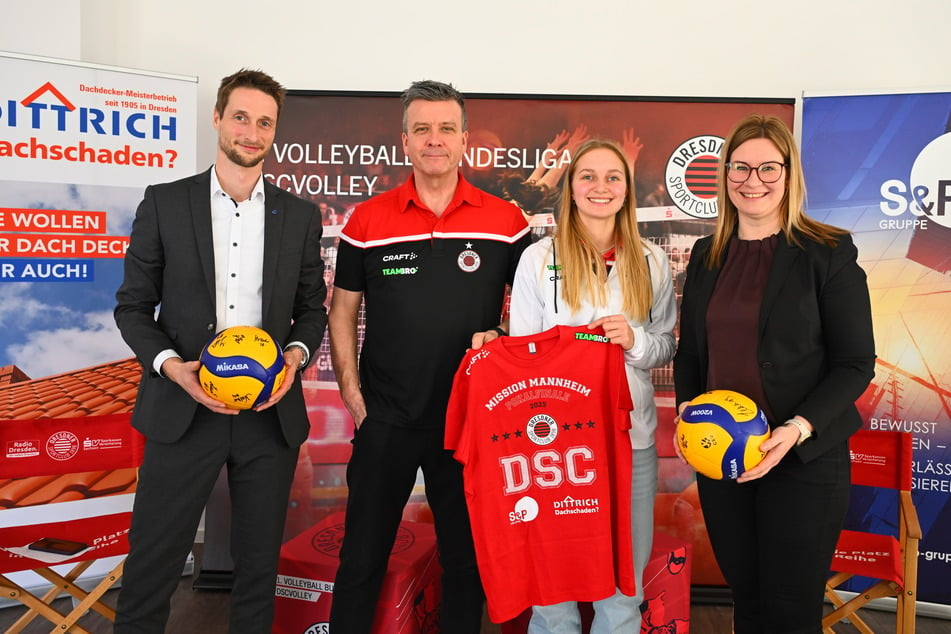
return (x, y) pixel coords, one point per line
(62, 445)
(691, 175)
(927, 194)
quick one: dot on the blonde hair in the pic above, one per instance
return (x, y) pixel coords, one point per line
(576, 252)
(792, 217)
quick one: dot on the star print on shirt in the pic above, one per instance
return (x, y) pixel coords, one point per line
(518, 433)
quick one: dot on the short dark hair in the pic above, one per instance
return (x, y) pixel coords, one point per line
(429, 90)
(247, 78)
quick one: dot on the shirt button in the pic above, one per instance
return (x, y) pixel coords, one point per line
(210, 326)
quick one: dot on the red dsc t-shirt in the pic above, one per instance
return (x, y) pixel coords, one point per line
(540, 425)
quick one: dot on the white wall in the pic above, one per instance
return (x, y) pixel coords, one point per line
(44, 27)
(710, 48)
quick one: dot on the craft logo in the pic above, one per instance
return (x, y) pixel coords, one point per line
(526, 510)
(542, 429)
(397, 257)
(481, 354)
(62, 445)
(57, 112)
(926, 195)
(691, 176)
(469, 261)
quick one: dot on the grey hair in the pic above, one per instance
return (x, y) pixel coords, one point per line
(429, 90)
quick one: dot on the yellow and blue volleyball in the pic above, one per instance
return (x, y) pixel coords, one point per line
(241, 367)
(720, 432)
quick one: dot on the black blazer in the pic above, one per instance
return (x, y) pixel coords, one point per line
(816, 350)
(170, 265)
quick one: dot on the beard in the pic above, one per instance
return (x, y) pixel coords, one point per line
(239, 159)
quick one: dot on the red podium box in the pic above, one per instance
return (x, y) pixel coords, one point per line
(666, 606)
(409, 599)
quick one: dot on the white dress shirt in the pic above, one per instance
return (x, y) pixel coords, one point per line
(238, 235)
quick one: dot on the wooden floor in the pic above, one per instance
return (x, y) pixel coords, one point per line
(207, 612)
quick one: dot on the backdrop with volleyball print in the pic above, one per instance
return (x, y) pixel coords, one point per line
(340, 148)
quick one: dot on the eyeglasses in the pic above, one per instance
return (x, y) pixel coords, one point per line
(768, 172)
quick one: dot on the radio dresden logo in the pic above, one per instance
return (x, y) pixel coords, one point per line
(542, 429)
(927, 195)
(62, 445)
(469, 261)
(691, 176)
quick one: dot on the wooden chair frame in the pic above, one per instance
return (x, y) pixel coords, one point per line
(42, 606)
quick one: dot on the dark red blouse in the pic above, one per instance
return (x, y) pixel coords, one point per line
(733, 319)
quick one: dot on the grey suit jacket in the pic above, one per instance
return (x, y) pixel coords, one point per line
(170, 266)
(816, 350)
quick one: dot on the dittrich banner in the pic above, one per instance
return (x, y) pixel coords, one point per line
(340, 148)
(879, 165)
(78, 145)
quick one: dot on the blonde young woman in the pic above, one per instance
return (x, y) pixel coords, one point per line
(775, 306)
(597, 271)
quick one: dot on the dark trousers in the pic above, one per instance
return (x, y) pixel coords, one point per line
(774, 539)
(381, 475)
(175, 481)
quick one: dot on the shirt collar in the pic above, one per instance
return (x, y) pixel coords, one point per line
(216, 189)
(465, 192)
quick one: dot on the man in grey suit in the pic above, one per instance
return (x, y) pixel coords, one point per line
(218, 249)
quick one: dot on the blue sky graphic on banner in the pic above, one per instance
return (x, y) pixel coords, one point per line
(78, 145)
(880, 166)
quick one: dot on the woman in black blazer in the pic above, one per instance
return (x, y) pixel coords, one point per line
(775, 306)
